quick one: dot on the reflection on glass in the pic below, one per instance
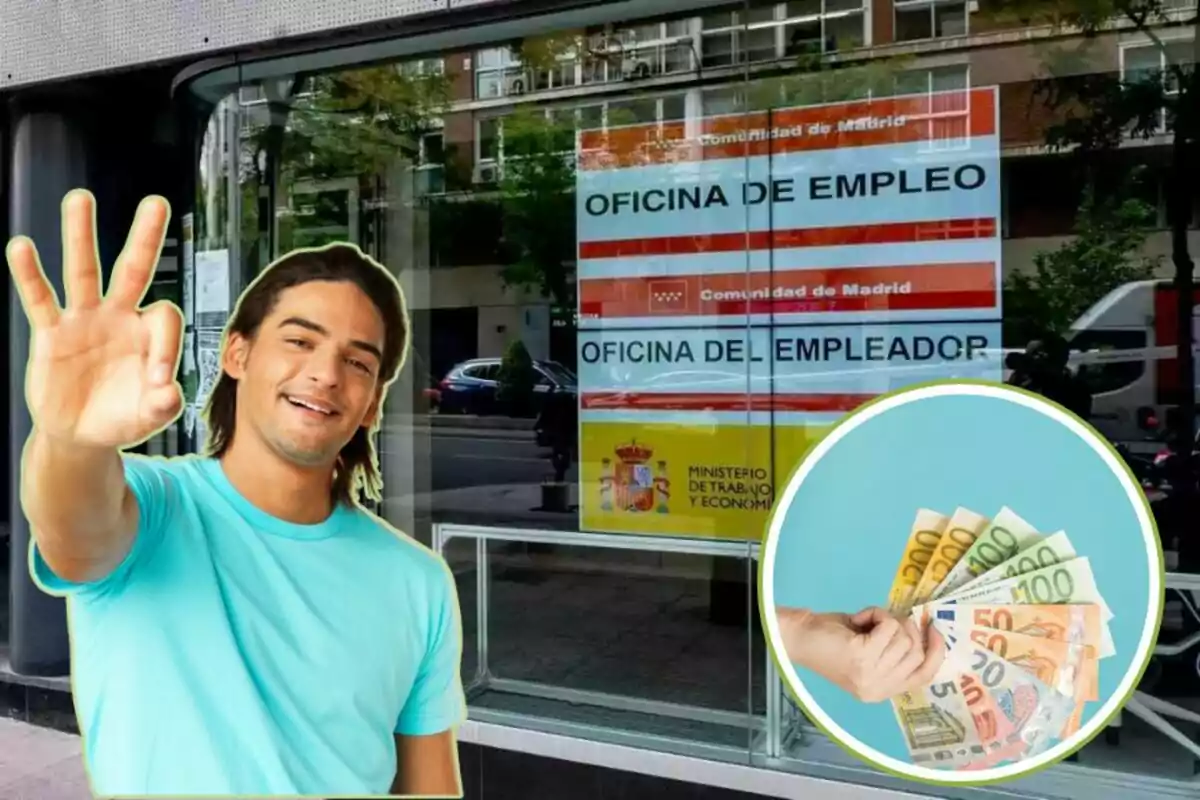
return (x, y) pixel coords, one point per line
(459, 170)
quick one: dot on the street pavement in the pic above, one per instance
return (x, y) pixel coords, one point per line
(40, 764)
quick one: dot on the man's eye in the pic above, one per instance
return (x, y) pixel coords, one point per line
(359, 365)
(297, 342)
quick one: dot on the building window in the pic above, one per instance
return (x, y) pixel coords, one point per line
(782, 30)
(642, 51)
(948, 108)
(1151, 63)
(930, 19)
(423, 67)
(498, 73)
(636, 110)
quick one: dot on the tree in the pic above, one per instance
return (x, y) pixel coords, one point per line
(537, 188)
(1105, 252)
(357, 122)
(516, 379)
(1098, 111)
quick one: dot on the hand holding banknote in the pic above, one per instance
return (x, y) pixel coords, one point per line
(872, 654)
(1026, 627)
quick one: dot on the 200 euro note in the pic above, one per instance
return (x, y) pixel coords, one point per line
(924, 535)
(937, 724)
(1002, 539)
(1015, 714)
(961, 532)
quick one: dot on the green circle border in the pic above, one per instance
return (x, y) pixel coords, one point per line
(781, 663)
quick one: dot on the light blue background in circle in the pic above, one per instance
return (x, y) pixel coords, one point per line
(841, 540)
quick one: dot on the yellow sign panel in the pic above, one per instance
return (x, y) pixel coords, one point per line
(686, 480)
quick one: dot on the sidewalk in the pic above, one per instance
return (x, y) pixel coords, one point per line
(40, 764)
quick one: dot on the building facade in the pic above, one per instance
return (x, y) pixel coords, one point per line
(443, 137)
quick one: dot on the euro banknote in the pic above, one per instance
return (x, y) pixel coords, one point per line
(1015, 714)
(924, 535)
(1003, 538)
(961, 532)
(1025, 627)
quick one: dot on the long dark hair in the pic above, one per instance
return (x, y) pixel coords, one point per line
(357, 470)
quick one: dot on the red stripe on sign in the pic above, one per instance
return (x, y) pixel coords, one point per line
(884, 233)
(926, 301)
(668, 401)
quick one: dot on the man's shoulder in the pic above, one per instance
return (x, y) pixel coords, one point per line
(398, 545)
(183, 465)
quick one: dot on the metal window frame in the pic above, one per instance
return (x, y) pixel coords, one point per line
(764, 730)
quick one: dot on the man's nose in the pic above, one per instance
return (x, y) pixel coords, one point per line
(324, 369)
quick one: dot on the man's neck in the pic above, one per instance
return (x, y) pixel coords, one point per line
(285, 491)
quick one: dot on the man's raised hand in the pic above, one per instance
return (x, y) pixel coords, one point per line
(101, 370)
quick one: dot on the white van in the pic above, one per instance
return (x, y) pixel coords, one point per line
(1125, 348)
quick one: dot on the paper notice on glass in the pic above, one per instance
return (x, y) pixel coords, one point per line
(212, 288)
(188, 276)
(189, 377)
(208, 357)
(201, 434)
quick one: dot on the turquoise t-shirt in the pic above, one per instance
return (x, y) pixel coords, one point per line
(233, 653)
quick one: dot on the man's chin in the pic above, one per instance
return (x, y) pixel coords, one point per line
(308, 456)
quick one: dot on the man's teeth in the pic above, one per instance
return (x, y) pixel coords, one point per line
(309, 406)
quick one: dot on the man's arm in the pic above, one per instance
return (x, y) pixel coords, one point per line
(427, 766)
(81, 512)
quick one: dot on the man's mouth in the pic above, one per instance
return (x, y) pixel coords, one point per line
(309, 404)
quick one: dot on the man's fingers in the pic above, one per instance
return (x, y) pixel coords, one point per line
(880, 637)
(915, 656)
(869, 617)
(935, 654)
(164, 323)
(135, 265)
(37, 296)
(81, 259)
(161, 404)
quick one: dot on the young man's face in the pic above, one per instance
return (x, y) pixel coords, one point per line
(310, 377)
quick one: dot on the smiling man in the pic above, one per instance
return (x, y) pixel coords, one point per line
(239, 624)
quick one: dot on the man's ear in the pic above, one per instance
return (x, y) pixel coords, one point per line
(372, 415)
(233, 358)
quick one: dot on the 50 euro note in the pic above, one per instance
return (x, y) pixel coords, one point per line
(1065, 667)
(1015, 714)
(1069, 582)
(960, 535)
(923, 537)
(1003, 538)
(1078, 623)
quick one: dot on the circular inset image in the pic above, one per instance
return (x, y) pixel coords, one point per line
(961, 583)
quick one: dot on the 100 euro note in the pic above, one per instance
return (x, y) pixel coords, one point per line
(1002, 539)
(1046, 552)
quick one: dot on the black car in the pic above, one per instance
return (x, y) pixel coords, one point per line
(470, 386)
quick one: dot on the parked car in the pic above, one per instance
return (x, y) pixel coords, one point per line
(470, 386)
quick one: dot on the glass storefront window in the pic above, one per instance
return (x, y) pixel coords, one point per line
(608, 588)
